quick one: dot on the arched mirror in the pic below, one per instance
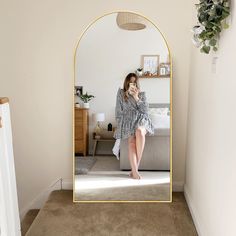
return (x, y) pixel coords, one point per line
(122, 111)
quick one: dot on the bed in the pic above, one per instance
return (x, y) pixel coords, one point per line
(156, 153)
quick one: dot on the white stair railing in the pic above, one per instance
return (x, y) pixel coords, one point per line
(9, 211)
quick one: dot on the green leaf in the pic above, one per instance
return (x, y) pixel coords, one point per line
(212, 42)
(206, 49)
(210, 33)
(209, 25)
(211, 18)
(224, 15)
(215, 49)
(217, 29)
(225, 25)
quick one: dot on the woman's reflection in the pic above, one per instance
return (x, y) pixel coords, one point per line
(133, 121)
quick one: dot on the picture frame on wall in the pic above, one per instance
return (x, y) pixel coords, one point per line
(78, 90)
(164, 69)
(150, 65)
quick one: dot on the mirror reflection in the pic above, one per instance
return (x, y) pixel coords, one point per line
(122, 112)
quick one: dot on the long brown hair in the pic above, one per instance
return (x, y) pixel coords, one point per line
(126, 84)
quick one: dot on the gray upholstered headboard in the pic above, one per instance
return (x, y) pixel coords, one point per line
(159, 105)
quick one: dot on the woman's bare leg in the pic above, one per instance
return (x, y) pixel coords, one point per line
(133, 157)
(140, 142)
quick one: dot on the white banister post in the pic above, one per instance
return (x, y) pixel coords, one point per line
(9, 211)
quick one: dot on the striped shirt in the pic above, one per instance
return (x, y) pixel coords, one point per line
(131, 114)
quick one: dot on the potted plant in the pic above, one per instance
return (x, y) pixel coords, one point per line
(212, 19)
(86, 98)
(139, 71)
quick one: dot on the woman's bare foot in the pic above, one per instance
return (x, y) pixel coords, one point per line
(135, 175)
(131, 174)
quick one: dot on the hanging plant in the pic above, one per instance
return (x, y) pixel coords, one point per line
(211, 16)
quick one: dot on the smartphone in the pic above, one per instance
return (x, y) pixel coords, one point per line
(131, 85)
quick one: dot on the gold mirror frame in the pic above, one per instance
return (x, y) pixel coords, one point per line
(73, 113)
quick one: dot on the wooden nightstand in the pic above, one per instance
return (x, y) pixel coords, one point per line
(111, 139)
(81, 130)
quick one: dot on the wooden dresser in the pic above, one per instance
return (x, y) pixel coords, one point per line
(81, 130)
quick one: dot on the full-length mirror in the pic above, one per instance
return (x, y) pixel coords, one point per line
(122, 111)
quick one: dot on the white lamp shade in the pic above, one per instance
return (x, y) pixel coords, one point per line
(99, 117)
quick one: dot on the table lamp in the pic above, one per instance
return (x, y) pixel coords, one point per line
(99, 117)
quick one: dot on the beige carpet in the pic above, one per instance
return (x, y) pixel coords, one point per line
(105, 181)
(28, 220)
(61, 217)
(117, 185)
(106, 163)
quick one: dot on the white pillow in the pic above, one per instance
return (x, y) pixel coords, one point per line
(159, 111)
(160, 121)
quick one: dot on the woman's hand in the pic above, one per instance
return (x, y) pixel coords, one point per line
(134, 91)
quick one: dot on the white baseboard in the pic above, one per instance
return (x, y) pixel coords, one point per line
(67, 184)
(178, 186)
(40, 200)
(196, 219)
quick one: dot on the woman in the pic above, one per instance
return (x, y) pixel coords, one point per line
(133, 121)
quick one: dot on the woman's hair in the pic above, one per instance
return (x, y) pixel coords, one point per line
(126, 84)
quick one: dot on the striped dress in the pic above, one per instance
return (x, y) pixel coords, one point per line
(131, 114)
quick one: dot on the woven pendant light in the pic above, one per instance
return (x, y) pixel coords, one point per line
(130, 21)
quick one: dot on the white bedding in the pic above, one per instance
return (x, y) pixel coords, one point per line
(160, 121)
(159, 117)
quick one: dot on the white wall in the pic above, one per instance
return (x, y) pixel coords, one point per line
(37, 45)
(211, 155)
(105, 55)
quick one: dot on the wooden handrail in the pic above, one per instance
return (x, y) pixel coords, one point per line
(4, 100)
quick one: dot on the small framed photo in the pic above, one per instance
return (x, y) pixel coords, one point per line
(78, 90)
(150, 65)
(164, 69)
